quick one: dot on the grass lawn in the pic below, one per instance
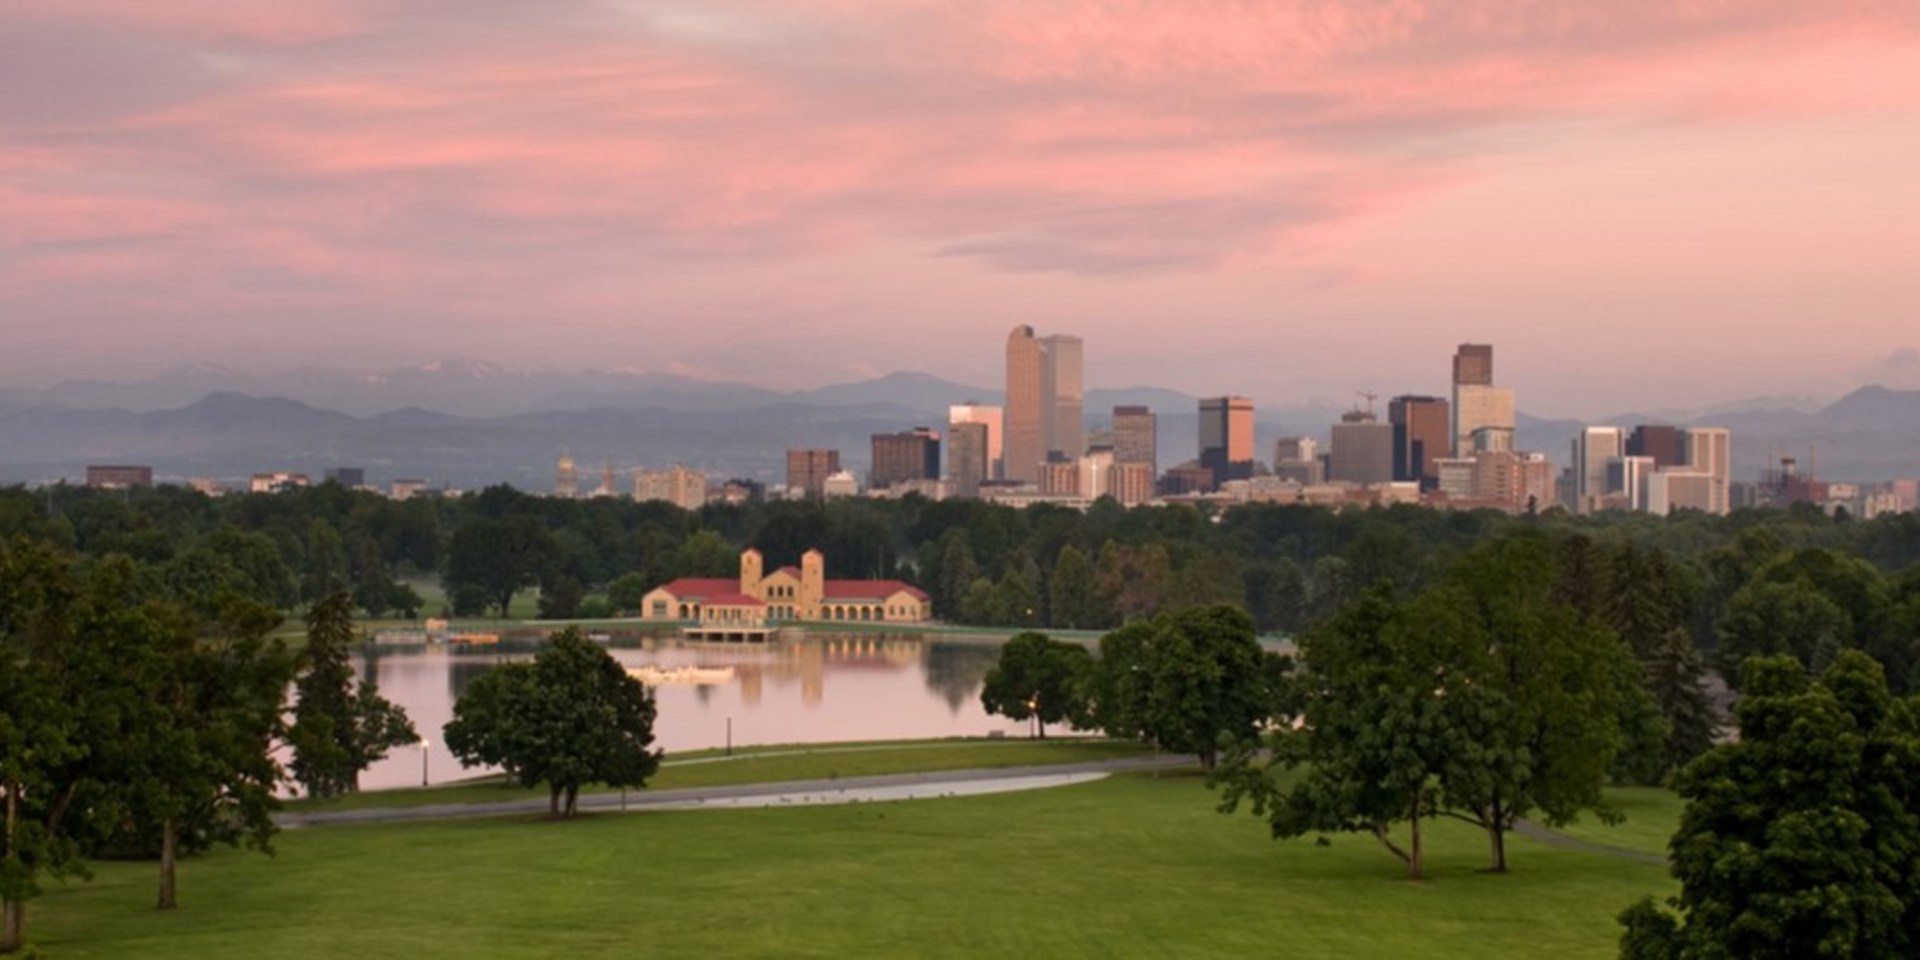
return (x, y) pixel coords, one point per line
(708, 768)
(1132, 866)
(1653, 814)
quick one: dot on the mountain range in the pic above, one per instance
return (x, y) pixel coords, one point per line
(468, 423)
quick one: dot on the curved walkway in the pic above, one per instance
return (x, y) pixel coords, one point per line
(1554, 838)
(894, 786)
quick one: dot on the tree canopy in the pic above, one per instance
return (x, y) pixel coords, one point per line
(1802, 837)
(569, 718)
(1038, 678)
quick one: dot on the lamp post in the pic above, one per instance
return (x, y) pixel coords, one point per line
(1033, 714)
(424, 745)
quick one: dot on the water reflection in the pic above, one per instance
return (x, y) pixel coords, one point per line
(825, 687)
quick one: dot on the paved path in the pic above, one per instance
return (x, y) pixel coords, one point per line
(1554, 838)
(895, 786)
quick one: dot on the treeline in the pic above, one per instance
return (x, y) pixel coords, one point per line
(137, 721)
(1826, 584)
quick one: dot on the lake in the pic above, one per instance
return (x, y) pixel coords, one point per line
(826, 687)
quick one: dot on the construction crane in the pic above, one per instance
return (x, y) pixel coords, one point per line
(1371, 397)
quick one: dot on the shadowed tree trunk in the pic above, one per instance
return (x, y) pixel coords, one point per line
(169, 849)
(1495, 819)
(13, 928)
(14, 934)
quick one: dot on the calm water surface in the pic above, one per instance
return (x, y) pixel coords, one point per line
(823, 688)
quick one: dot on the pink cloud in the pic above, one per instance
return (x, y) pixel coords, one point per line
(495, 161)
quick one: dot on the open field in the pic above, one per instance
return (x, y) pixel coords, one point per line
(709, 768)
(1133, 866)
(1653, 814)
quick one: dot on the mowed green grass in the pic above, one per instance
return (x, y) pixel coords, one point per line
(774, 764)
(1131, 866)
(1652, 815)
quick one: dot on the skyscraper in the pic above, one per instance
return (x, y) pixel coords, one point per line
(1477, 403)
(968, 464)
(1226, 437)
(993, 418)
(1709, 450)
(1662, 443)
(1420, 426)
(1362, 450)
(1044, 394)
(909, 455)
(1136, 437)
(1473, 365)
(1592, 449)
(808, 470)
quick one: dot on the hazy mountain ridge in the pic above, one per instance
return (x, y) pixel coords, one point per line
(497, 424)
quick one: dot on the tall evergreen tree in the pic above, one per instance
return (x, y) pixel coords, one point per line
(340, 728)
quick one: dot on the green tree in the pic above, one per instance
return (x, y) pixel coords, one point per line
(198, 758)
(571, 717)
(958, 571)
(490, 560)
(326, 569)
(1016, 599)
(339, 728)
(1193, 681)
(1038, 678)
(977, 604)
(626, 591)
(1767, 617)
(708, 554)
(560, 597)
(1554, 688)
(41, 743)
(1384, 698)
(1676, 679)
(1075, 603)
(1136, 579)
(1799, 839)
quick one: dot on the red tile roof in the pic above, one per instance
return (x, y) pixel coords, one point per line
(869, 590)
(697, 588)
(731, 600)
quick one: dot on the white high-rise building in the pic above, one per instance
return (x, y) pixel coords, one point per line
(1592, 449)
(1478, 407)
(1709, 450)
(1627, 476)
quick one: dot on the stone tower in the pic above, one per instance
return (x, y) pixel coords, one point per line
(813, 584)
(750, 577)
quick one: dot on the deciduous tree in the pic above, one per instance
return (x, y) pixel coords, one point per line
(1039, 678)
(1802, 837)
(571, 717)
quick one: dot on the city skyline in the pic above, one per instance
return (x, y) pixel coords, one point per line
(1287, 202)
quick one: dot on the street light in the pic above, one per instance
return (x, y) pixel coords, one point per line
(423, 760)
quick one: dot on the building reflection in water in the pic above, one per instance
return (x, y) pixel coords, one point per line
(825, 687)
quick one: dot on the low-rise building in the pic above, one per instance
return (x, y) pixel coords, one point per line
(788, 593)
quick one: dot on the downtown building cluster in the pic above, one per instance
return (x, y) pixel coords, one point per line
(1448, 451)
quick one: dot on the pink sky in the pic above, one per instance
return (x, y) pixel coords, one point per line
(1641, 204)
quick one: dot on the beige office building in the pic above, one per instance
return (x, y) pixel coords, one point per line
(1043, 407)
(1592, 450)
(993, 418)
(684, 488)
(1136, 437)
(1477, 407)
(1709, 450)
